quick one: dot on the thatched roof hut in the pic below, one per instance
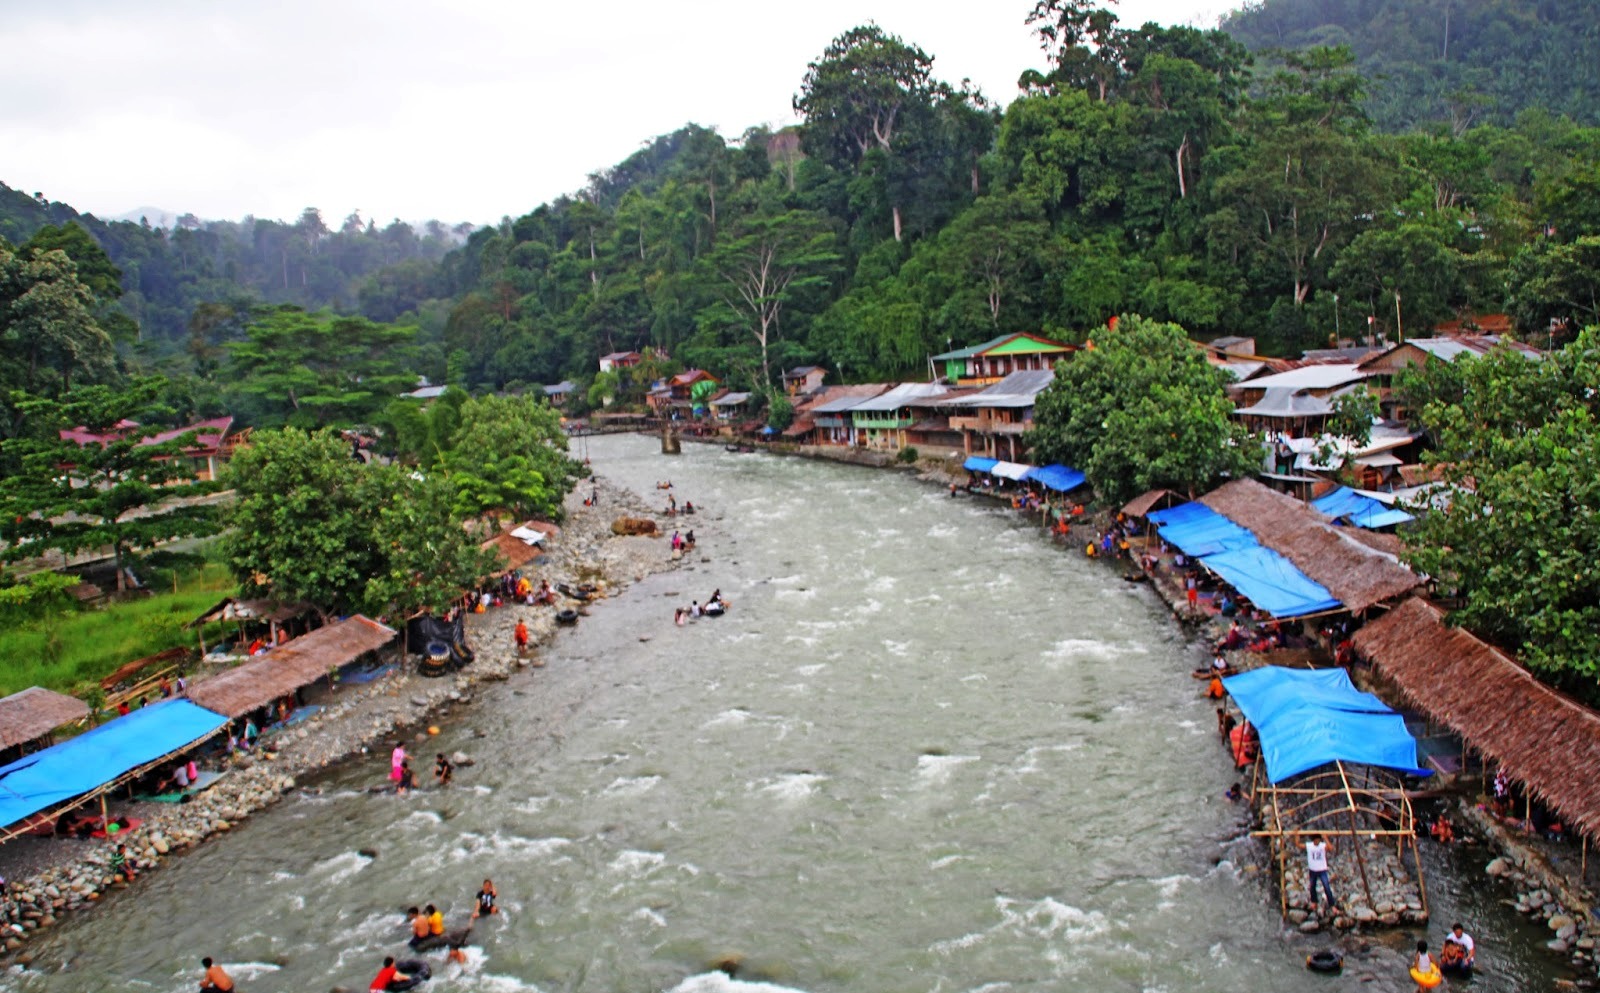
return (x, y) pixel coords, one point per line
(1150, 500)
(34, 713)
(290, 666)
(1546, 741)
(517, 547)
(1348, 567)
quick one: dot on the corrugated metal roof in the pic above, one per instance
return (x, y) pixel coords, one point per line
(898, 397)
(1286, 402)
(1020, 389)
(1311, 377)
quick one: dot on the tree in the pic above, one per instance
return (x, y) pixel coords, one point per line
(1518, 539)
(763, 266)
(320, 369)
(47, 323)
(1141, 409)
(93, 478)
(510, 454)
(1308, 175)
(301, 527)
(428, 558)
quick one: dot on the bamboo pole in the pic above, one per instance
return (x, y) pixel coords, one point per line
(1355, 835)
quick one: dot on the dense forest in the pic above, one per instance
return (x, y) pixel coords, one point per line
(1140, 169)
(1454, 62)
(166, 274)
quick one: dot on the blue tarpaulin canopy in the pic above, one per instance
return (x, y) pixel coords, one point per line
(93, 759)
(1308, 718)
(1362, 511)
(1199, 530)
(1057, 477)
(1270, 581)
(977, 463)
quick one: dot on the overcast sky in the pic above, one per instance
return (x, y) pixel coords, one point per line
(464, 111)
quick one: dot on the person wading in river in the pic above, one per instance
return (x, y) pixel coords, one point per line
(215, 980)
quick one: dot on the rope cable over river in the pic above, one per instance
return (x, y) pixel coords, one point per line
(924, 750)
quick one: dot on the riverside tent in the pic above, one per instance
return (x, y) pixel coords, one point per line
(1270, 581)
(1057, 477)
(288, 667)
(977, 463)
(1309, 718)
(1361, 510)
(1199, 530)
(101, 757)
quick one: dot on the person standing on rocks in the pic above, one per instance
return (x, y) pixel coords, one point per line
(1317, 868)
(521, 636)
(397, 760)
(215, 980)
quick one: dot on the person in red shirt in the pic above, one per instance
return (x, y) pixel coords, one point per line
(388, 974)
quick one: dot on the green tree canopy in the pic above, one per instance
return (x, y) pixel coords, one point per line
(109, 484)
(510, 454)
(1517, 537)
(1141, 409)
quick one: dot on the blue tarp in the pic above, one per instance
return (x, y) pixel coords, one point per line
(1308, 718)
(95, 758)
(976, 463)
(1270, 581)
(1056, 477)
(1362, 511)
(1199, 530)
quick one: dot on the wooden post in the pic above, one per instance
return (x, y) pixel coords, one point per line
(1355, 833)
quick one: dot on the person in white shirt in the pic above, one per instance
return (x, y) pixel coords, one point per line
(1317, 867)
(1457, 936)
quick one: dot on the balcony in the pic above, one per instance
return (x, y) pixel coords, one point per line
(882, 422)
(988, 424)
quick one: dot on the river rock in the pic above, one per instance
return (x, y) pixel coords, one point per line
(1310, 925)
(1558, 922)
(1297, 917)
(1497, 867)
(1365, 915)
(1567, 933)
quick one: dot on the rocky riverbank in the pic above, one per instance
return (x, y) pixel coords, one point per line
(57, 876)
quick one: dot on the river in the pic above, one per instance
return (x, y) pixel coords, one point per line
(926, 750)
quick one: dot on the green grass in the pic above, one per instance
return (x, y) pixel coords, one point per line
(89, 644)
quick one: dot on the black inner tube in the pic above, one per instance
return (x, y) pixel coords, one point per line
(1325, 961)
(568, 616)
(417, 971)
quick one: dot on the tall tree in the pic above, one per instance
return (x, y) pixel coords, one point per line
(93, 478)
(763, 266)
(319, 369)
(510, 454)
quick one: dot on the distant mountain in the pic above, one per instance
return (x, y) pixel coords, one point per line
(1457, 62)
(169, 269)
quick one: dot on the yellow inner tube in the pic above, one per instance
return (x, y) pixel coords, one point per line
(1429, 979)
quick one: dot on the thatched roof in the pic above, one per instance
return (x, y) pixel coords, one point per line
(290, 666)
(1354, 572)
(1548, 742)
(234, 609)
(1148, 501)
(35, 712)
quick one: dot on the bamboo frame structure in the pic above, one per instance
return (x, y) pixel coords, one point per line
(1314, 803)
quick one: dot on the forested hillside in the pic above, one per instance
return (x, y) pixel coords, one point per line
(1452, 62)
(167, 274)
(1150, 170)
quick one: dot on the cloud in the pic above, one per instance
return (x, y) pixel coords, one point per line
(413, 108)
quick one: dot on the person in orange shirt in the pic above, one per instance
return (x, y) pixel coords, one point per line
(216, 980)
(521, 636)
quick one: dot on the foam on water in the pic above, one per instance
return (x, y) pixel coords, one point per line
(1081, 648)
(937, 769)
(634, 863)
(470, 845)
(793, 787)
(720, 982)
(340, 867)
(649, 917)
(897, 648)
(630, 786)
(810, 670)
(735, 717)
